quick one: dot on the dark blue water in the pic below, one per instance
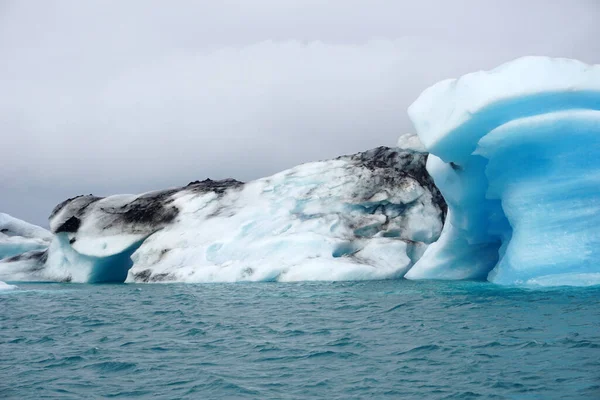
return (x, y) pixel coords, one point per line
(389, 339)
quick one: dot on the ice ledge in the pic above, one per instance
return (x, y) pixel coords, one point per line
(443, 114)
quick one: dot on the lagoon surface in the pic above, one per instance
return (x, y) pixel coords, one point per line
(345, 340)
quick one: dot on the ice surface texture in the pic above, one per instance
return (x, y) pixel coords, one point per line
(517, 158)
(17, 237)
(366, 216)
(23, 249)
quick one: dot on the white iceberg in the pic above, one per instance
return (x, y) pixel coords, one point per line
(517, 158)
(366, 216)
(17, 237)
(6, 286)
(23, 249)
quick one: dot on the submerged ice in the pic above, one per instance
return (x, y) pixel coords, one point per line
(516, 154)
(366, 216)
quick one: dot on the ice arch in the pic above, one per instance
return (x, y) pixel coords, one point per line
(517, 158)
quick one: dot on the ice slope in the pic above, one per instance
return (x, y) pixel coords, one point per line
(17, 237)
(23, 248)
(365, 216)
(517, 158)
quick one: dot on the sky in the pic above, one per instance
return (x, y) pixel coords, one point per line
(114, 96)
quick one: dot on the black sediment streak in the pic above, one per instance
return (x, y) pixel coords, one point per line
(146, 276)
(38, 255)
(208, 185)
(71, 225)
(87, 200)
(393, 166)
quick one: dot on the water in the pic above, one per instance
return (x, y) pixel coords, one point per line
(386, 339)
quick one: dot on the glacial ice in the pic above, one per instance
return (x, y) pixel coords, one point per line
(17, 237)
(366, 216)
(23, 248)
(6, 286)
(410, 141)
(516, 154)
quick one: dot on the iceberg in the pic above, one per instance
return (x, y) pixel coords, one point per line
(516, 154)
(6, 286)
(500, 182)
(17, 237)
(369, 215)
(23, 248)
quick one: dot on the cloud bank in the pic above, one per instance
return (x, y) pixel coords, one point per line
(105, 97)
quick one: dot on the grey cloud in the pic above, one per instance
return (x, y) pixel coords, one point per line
(111, 96)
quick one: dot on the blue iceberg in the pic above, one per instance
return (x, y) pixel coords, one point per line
(516, 154)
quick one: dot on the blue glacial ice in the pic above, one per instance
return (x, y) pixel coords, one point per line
(516, 154)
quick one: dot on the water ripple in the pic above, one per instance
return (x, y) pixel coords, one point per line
(345, 340)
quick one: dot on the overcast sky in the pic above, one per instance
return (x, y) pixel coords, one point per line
(121, 96)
